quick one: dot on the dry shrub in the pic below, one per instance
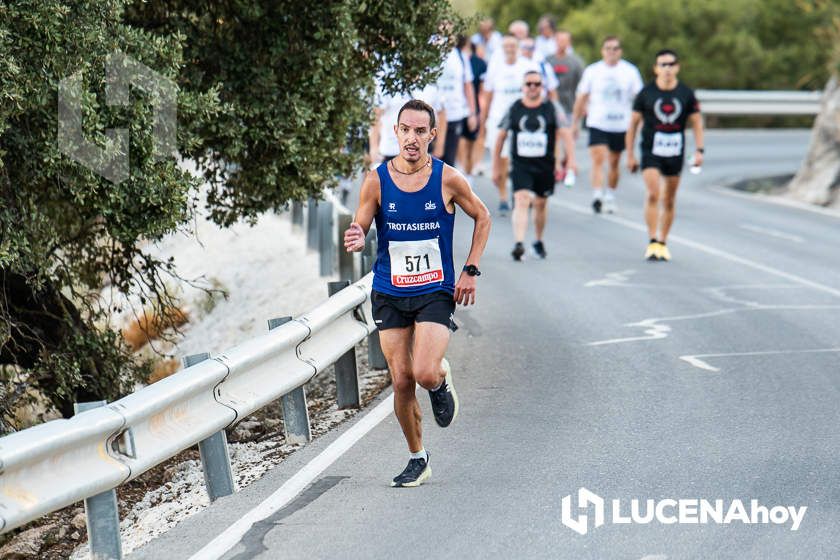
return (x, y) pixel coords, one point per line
(151, 325)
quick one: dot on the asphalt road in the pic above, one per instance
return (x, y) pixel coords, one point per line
(714, 376)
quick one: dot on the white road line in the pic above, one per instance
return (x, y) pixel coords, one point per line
(772, 233)
(702, 247)
(657, 328)
(778, 201)
(295, 485)
(697, 362)
(720, 292)
(612, 279)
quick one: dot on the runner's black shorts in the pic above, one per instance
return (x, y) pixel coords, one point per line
(392, 312)
(471, 135)
(613, 140)
(668, 166)
(541, 183)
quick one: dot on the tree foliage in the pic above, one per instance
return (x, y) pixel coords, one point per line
(723, 44)
(268, 91)
(64, 230)
(295, 76)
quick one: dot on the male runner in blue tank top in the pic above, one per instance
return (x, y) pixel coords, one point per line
(414, 293)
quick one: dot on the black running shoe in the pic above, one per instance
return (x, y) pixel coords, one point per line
(416, 473)
(596, 205)
(539, 249)
(518, 251)
(445, 399)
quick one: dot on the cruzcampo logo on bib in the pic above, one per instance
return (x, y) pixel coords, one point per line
(415, 263)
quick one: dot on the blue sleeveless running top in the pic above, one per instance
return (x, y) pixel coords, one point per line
(414, 235)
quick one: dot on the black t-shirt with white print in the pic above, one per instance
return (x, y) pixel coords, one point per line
(533, 135)
(665, 113)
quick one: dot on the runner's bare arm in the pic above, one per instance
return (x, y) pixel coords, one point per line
(577, 111)
(696, 121)
(472, 120)
(458, 191)
(564, 136)
(354, 237)
(440, 121)
(497, 155)
(630, 141)
(484, 103)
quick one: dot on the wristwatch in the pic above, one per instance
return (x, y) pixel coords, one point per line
(472, 270)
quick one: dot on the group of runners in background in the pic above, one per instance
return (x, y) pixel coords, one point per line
(523, 98)
(484, 78)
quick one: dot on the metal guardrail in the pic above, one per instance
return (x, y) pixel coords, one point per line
(743, 102)
(55, 464)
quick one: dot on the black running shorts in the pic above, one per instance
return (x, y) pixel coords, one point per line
(466, 133)
(540, 183)
(668, 166)
(392, 312)
(613, 140)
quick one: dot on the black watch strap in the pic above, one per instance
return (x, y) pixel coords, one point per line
(472, 270)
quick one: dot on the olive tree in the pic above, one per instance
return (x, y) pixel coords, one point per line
(269, 96)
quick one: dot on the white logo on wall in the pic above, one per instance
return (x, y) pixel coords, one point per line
(430, 205)
(690, 511)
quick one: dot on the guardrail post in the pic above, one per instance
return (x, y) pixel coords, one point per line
(346, 260)
(215, 460)
(312, 224)
(376, 359)
(326, 238)
(297, 213)
(346, 373)
(295, 411)
(102, 515)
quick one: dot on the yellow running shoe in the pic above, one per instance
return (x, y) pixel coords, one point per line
(652, 251)
(662, 252)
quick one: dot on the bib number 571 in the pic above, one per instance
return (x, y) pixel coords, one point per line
(414, 263)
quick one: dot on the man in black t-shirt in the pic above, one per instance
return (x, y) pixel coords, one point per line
(537, 130)
(665, 106)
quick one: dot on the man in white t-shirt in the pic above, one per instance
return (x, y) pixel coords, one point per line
(545, 42)
(456, 86)
(503, 86)
(487, 37)
(382, 136)
(527, 48)
(605, 93)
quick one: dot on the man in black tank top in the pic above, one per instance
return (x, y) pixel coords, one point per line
(538, 129)
(414, 323)
(665, 106)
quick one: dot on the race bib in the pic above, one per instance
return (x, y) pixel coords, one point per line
(531, 144)
(415, 263)
(667, 144)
